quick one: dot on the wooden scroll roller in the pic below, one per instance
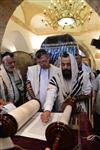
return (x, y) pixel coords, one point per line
(14, 120)
(58, 134)
(88, 140)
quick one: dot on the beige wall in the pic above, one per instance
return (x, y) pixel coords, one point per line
(20, 38)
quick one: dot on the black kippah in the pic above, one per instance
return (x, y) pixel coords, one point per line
(41, 52)
(3, 54)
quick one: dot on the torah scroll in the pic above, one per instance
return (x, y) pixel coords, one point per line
(14, 120)
(23, 113)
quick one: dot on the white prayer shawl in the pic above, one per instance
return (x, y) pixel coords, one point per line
(86, 68)
(52, 89)
(74, 69)
(33, 75)
(5, 81)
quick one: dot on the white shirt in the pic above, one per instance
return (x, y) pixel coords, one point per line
(43, 85)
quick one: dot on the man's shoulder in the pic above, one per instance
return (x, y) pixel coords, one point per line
(33, 67)
(83, 74)
(86, 67)
(80, 73)
(55, 68)
(57, 75)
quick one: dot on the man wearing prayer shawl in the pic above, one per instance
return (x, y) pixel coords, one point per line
(38, 76)
(68, 85)
(11, 83)
(84, 67)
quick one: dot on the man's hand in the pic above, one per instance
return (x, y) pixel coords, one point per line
(2, 102)
(45, 116)
(47, 148)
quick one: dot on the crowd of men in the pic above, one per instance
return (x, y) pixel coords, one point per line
(53, 86)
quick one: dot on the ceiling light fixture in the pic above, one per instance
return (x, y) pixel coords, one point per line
(65, 21)
(67, 13)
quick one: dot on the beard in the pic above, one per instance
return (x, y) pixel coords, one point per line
(67, 74)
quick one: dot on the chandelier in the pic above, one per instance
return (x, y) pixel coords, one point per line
(67, 13)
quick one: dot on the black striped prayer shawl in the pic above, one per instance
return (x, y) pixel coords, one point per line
(77, 86)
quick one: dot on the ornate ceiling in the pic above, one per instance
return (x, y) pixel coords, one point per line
(29, 15)
(33, 15)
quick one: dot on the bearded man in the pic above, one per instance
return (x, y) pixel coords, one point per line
(68, 85)
(11, 82)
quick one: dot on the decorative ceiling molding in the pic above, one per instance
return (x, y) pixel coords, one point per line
(39, 31)
(20, 23)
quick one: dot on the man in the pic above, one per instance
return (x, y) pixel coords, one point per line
(96, 105)
(86, 68)
(38, 76)
(83, 67)
(68, 85)
(11, 83)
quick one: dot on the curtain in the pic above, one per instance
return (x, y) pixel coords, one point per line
(56, 50)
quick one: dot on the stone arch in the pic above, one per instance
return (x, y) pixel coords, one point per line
(7, 8)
